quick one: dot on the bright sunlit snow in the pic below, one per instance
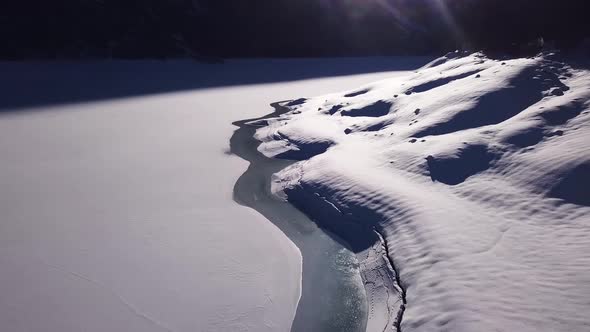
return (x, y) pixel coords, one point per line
(476, 170)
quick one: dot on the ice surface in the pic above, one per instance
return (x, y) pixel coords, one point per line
(117, 215)
(476, 172)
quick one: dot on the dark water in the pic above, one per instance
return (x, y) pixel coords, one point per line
(332, 296)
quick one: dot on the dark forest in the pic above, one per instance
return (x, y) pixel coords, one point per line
(285, 28)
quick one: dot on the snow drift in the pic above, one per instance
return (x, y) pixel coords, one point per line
(475, 171)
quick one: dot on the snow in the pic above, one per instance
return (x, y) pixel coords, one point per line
(475, 171)
(117, 214)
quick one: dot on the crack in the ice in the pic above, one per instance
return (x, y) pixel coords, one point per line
(396, 278)
(387, 301)
(120, 298)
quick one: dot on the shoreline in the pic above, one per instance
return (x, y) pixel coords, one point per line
(384, 298)
(332, 296)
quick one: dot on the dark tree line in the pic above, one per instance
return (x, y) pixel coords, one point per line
(281, 28)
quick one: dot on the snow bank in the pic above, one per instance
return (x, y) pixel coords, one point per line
(477, 174)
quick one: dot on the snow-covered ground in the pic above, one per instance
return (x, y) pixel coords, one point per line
(117, 215)
(477, 174)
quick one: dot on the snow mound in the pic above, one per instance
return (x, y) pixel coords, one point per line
(475, 171)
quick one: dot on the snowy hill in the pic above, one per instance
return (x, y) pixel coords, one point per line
(475, 171)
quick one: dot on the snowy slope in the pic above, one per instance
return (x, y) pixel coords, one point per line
(477, 174)
(118, 215)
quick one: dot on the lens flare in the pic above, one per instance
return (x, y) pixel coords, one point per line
(402, 12)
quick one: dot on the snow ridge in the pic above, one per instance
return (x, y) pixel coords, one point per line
(475, 173)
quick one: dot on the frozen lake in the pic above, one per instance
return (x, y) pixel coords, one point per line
(117, 204)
